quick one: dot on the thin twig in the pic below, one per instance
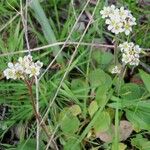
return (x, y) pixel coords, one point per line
(24, 22)
(98, 45)
(55, 44)
(49, 142)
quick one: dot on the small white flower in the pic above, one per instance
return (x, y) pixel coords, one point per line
(113, 10)
(135, 62)
(126, 58)
(26, 61)
(19, 71)
(127, 28)
(124, 46)
(33, 70)
(111, 24)
(24, 68)
(105, 12)
(130, 53)
(10, 73)
(118, 20)
(116, 70)
(131, 20)
(38, 64)
(137, 49)
(123, 13)
(10, 65)
(114, 25)
(117, 28)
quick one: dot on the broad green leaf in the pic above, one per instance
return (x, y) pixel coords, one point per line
(96, 56)
(117, 80)
(102, 58)
(130, 91)
(139, 118)
(92, 108)
(102, 123)
(101, 95)
(141, 143)
(146, 79)
(69, 123)
(108, 81)
(69, 143)
(80, 88)
(106, 58)
(99, 78)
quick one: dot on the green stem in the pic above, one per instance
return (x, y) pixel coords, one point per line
(116, 140)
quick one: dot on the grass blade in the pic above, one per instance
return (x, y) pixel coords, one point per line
(46, 28)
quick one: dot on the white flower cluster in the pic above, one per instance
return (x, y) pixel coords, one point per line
(118, 20)
(24, 68)
(130, 53)
(116, 70)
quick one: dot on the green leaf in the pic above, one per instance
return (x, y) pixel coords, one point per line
(146, 79)
(130, 91)
(106, 58)
(99, 78)
(30, 145)
(92, 108)
(69, 123)
(102, 123)
(141, 143)
(96, 56)
(139, 116)
(101, 95)
(70, 142)
(80, 88)
(102, 58)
